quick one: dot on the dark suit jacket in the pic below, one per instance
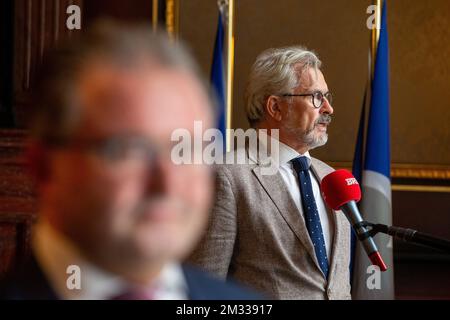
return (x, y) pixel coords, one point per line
(30, 283)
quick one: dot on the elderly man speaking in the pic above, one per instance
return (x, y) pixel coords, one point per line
(273, 232)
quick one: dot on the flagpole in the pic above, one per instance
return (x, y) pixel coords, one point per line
(230, 72)
(375, 36)
(172, 19)
(155, 15)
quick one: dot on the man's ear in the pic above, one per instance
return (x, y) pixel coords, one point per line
(37, 160)
(273, 108)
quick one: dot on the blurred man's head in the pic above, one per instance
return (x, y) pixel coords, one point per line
(109, 104)
(287, 91)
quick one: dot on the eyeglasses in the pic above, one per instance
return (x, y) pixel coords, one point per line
(115, 150)
(123, 149)
(317, 97)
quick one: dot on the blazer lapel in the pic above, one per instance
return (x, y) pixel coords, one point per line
(196, 289)
(278, 192)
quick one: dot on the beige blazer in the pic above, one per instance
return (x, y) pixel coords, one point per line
(257, 236)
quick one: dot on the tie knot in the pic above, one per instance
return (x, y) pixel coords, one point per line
(301, 163)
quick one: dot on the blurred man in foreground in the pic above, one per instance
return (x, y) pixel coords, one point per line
(116, 214)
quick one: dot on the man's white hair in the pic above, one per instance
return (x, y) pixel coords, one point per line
(276, 71)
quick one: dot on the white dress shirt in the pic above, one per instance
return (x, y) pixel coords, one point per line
(55, 253)
(286, 169)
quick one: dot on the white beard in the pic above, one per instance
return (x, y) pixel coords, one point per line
(313, 141)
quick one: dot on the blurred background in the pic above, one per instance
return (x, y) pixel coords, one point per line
(419, 33)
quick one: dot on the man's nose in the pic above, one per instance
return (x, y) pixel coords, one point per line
(326, 107)
(158, 176)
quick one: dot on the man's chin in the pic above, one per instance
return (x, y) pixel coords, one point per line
(162, 243)
(319, 141)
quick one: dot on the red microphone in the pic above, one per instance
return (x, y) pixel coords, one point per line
(341, 191)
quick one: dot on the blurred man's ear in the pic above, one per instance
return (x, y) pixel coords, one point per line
(273, 108)
(36, 158)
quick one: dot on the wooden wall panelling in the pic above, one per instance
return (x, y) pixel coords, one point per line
(17, 200)
(39, 26)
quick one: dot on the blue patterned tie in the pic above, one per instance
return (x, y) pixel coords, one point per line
(312, 218)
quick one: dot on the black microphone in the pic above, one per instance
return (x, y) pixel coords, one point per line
(411, 235)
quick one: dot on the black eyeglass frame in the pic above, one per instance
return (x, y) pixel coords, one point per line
(326, 95)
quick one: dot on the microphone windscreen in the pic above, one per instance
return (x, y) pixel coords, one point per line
(340, 187)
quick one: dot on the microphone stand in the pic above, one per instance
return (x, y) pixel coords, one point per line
(409, 235)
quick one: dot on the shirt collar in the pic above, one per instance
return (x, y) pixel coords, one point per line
(286, 153)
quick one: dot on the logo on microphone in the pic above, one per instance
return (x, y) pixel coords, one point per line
(351, 181)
